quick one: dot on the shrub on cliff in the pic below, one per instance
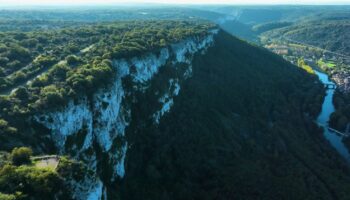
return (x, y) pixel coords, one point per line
(29, 182)
(21, 155)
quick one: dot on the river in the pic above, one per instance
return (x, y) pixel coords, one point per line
(323, 118)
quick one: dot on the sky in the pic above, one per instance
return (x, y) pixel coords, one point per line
(104, 2)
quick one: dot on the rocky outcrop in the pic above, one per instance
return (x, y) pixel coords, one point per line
(93, 129)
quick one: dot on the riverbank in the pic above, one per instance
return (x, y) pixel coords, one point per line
(328, 108)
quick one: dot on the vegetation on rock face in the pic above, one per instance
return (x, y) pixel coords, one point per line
(72, 62)
(22, 179)
(30, 182)
(21, 156)
(71, 169)
(8, 196)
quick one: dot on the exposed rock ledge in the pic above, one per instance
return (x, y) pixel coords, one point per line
(101, 122)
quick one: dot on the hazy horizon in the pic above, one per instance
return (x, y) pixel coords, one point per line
(171, 2)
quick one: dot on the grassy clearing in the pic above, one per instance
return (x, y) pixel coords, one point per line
(50, 162)
(297, 46)
(306, 67)
(328, 64)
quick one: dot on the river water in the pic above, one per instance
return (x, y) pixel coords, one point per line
(323, 118)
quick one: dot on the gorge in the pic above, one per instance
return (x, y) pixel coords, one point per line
(327, 109)
(161, 109)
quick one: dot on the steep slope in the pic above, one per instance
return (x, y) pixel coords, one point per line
(331, 35)
(241, 128)
(100, 122)
(239, 29)
(174, 110)
(83, 110)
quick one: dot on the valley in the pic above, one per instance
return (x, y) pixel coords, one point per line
(311, 58)
(175, 102)
(333, 136)
(335, 64)
(313, 39)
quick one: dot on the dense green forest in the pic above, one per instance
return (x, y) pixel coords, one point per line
(341, 117)
(240, 129)
(46, 68)
(29, 20)
(242, 125)
(24, 54)
(71, 62)
(327, 34)
(21, 178)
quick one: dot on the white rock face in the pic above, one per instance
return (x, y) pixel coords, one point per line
(185, 50)
(105, 117)
(108, 107)
(119, 166)
(96, 192)
(148, 65)
(167, 99)
(67, 122)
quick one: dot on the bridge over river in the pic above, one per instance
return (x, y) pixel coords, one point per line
(335, 137)
(330, 86)
(343, 134)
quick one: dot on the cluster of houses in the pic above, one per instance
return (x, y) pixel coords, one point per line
(343, 81)
(292, 53)
(278, 49)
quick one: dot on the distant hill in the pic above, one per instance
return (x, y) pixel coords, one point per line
(28, 20)
(240, 30)
(261, 28)
(332, 35)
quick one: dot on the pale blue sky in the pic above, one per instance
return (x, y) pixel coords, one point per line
(89, 2)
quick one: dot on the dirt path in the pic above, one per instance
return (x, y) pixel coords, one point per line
(31, 77)
(47, 161)
(25, 81)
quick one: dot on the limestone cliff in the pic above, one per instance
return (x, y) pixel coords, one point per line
(92, 130)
